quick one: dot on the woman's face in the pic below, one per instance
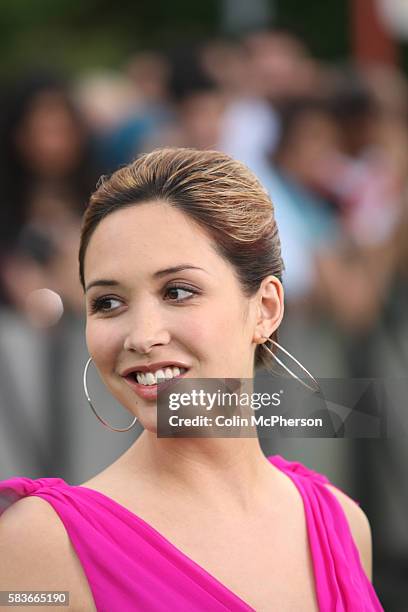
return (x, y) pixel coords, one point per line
(195, 317)
(49, 139)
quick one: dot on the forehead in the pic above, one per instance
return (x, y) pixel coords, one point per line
(146, 236)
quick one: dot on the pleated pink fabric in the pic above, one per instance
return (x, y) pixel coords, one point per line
(130, 566)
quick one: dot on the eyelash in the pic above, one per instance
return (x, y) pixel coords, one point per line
(97, 303)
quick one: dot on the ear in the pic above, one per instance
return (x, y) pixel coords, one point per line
(270, 308)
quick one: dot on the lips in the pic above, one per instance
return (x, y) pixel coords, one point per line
(153, 367)
(150, 392)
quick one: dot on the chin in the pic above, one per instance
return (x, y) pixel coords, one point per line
(149, 424)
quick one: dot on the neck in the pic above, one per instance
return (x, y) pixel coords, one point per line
(203, 468)
(209, 470)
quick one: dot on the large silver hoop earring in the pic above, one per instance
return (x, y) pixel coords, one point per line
(88, 363)
(314, 389)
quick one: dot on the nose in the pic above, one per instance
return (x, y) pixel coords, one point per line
(145, 332)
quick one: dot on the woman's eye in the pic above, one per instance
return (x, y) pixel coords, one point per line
(181, 292)
(102, 304)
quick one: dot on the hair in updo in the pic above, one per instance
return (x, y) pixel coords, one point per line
(217, 192)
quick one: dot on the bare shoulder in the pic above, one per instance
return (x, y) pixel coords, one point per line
(36, 553)
(30, 525)
(359, 527)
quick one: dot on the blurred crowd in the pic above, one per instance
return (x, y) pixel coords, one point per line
(329, 142)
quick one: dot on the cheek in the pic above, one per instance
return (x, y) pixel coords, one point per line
(195, 333)
(103, 342)
(211, 331)
(228, 320)
(230, 332)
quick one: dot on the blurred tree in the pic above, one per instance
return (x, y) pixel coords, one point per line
(322, 25)
(75, 36)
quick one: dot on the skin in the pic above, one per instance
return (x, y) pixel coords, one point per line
(146, 325)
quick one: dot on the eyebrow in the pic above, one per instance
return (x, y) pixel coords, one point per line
(158, 274)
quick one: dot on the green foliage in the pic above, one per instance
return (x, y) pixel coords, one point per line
(82, 34)
(322, 24)
(77, 35)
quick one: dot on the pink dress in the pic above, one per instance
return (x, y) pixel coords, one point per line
(131, 567)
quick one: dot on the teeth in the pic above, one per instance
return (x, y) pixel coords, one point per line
(140, 378)
(150, 378)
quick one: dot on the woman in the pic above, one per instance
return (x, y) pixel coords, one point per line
(46, 175)
(180, 263)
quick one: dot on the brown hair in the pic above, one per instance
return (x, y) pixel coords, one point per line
(218, 193)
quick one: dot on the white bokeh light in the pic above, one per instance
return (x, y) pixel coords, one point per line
(44, 308)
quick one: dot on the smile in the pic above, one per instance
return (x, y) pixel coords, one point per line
(147, 384)
(160, 375)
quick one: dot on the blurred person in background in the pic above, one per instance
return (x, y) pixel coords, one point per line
(149, 74)
(326, 253)
(249, 126)
(103, 98)
(280, 65)
(139, 108)
(363, 178)
(308, 132)
(360, 176)
(278, 76)
(47, 176)
(198, 105)
(277, 66)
